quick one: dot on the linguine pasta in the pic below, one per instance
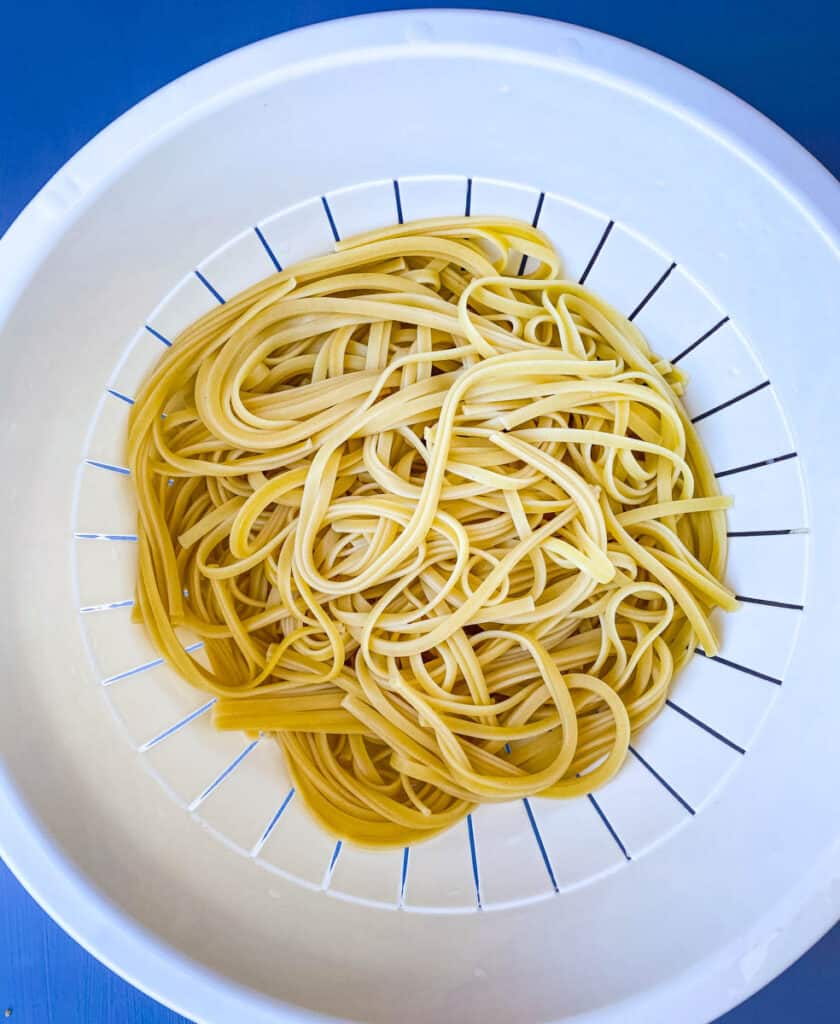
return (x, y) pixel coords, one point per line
(446, 532)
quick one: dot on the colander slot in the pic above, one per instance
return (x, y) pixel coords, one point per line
(662, 279)
(234, 764)
(158, 335)
(133, 671)
(602, 241)
(120, 395)
(260, 843)
(108, 466)
(700, 340)
(216, 295)
(535, 220)
(109, 606)
(145, 666)
(474, 861)
(731, 401)
(540, 844)
(765, 533)
(174, 728)
(663, 782)
(331, 866)
(398, 202)
(706, 728)
(609, 827)
(739, 668)
(756, 465)
(130, 537)
(771, 604)
(330, 219)
(403, 876)
(268, 249)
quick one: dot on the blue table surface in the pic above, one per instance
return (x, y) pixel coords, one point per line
(67, 69)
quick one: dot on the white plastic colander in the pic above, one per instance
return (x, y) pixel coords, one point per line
(180, 856)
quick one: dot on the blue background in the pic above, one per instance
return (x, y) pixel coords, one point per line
(67, 69)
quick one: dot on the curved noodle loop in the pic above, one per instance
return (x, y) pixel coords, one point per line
(445, 531)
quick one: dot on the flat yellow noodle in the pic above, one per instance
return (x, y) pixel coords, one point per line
(447, 532)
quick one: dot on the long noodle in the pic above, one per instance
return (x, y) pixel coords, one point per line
(446, 532)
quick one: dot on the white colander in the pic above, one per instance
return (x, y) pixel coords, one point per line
(181, 856)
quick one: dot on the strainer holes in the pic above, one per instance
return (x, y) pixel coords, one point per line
(159, 336)
(177, 726)
(145, 666)
(123, 470)
(331, 866)
(534, 222)
(540, 844)
(601, 243)
(260, 843)
(109, 606)
(213, 291)
(474, 860)
(731, 401)
(398, 201)
(740, 668)
(214, 785)
(120, 395)
(268, 250)
(128, 537)
(632, 316)
(609, 827)
(665, 784)
(700, 340)
(757, 465)
(706, 728)
(330, 219)
(403, 877)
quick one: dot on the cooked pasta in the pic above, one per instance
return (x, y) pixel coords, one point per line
(445, 531)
